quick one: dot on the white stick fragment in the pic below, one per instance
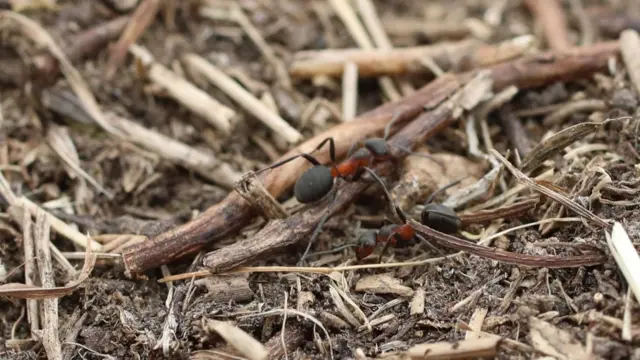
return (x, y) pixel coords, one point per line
(626, 256)
(187, 94)
(630, 49)
(349, 91)
(239, 339)
(252, 105)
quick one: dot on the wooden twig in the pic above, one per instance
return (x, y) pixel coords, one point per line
(460, 55)
(551, 15)
(232, 213)
(544, 68)
(279, 234)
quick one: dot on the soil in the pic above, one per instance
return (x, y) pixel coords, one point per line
(125, 318)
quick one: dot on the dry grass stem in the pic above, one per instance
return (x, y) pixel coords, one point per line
(545, 149)
(357, 31)
(240, 340)
(196, 100)
(630, 49)
(551, 15)
(50, 336)
(573, 107)
(626, 256)
(30, 272)
(200, 161)
(349, 91)
(32, 30)
(255, 35)
(379, 37)
(587, 28)
(60, 142)
(236, 92)
(140, 20)
(522, 178)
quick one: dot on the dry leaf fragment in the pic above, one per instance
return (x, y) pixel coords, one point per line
(383, 284)
(23, 291)
(551, 340)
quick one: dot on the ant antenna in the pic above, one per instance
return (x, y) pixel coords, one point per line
(411, 152)
(449, 185)
(396, 209)
(332, 251)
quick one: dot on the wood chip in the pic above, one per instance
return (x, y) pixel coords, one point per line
(224, 288)
(417, 303)
(383, 284)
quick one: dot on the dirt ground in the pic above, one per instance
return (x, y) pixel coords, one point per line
(564, 313)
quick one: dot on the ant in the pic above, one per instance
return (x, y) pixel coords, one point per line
(435, 216)
(318, 181)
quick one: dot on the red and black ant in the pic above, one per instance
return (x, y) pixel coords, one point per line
(318, 181)
(436, 216)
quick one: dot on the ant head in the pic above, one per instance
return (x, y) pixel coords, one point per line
(366, 244)
(377, 146)
(440, 218)
(313, 184)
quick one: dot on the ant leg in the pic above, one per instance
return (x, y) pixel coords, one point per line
(332, 251)
(332, 148)
(427, 156)
(386, 244)
(397, 116)
(451, 184)
(432, 247)
(356, 145)
(307, 156)
(396, 209)
(318, 228)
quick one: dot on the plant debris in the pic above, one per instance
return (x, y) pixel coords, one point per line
(483, 172)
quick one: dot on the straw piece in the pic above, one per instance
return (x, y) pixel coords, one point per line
(243, 97)
(196, 100)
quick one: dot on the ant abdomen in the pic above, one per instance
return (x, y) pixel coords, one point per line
(440, 218)
(313, 184)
